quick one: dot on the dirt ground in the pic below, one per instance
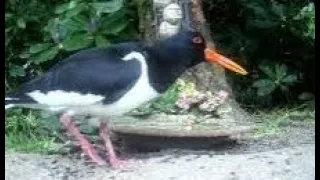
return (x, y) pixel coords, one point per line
(290, 156)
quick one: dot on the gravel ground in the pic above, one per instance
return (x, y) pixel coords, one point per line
(290, 156)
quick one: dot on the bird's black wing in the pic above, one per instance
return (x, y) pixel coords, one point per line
(94, 71)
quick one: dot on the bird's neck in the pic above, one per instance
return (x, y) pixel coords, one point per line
(164, 69)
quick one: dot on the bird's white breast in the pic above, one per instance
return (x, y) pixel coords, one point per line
(140, 93)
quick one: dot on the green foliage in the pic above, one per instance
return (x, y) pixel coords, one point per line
(38, 34)
(23, 24)
(274, 77)
(24, 132)
(80, 25)
(167, 101)
(273, 122)
(306, 20)
(267, 33)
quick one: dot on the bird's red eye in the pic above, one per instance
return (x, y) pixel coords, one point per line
(197, 40)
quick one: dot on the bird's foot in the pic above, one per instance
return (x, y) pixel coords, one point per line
(96, 160)
(113, 159)
(117, 163)
(121, 163)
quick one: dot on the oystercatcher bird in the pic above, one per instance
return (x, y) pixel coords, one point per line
(107, 82)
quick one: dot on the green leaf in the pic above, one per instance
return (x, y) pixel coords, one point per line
(7, 41)
(77, 41)
(46, 55)
(7, 30)
(8, 36)
(306, 96)
(264, 23)
(261, 83)
(81, 20)
(39, 47)
(16, 71)
(107, 7)
(281, 70)
(66, 6)
(290, 79)
(278, 9)
(21, 23)
(8, 16)
(101, 41)
(265, 87)
(114, 23)
(268, 71)
(75, 11)
(24, 55)
(118, 27)
(76, 24)
(283, 88)
(266, 90)
(62, 8)
(258, 8)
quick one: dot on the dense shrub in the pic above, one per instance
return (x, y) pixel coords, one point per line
(40, 33)
(274, 39)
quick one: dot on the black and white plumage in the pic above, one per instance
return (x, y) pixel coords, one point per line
(111, 81)
(89, 81)
(128, 73)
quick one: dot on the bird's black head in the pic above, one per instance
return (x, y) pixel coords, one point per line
(172, 56)
(189, 48)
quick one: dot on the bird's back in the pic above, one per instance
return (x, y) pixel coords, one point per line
(89, 77)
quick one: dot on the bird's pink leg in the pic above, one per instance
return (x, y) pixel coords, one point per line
(86, 146)
(112, 157)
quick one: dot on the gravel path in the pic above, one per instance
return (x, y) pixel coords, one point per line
(291, 157)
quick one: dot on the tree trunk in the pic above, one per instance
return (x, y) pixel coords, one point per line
(206, 77)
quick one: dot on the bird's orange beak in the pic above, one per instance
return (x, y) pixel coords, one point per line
(213, 57)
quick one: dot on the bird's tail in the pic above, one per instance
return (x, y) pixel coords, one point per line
(10, 102)
(15, 99)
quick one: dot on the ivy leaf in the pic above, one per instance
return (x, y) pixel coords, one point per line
(266, 90)
(8, 16)
(118, 27)
(46, 55)
(258, 10)
(21, 23)
(101, 41)
(16, 71)
(261, 83)
(8, 40)
(278, 9)
(263, 23)
(62, 8)
(265, 87)
(77, 41)
(76, 24)
(281, 70)
(290, 79)
(268, 71)
(39, 48)
(114, 23)
(75, 11)
(107, 7)
(7, 30)
(66, 6)
(24, 55)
